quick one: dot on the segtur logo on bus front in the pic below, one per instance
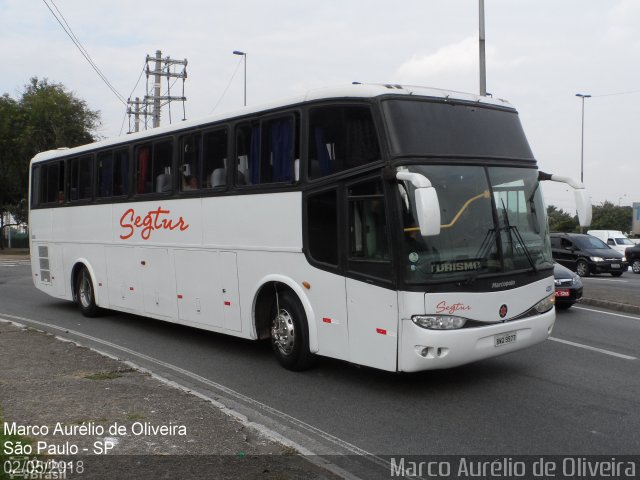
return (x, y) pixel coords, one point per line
(158, 219)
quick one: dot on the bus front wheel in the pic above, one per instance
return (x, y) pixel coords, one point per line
(289, 333)
(85, 294)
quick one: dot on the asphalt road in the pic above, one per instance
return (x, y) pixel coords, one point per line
(577, 394)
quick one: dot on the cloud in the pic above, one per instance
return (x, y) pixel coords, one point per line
(457, 58)
(622, 23)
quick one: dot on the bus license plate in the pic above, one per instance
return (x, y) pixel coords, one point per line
(615, 265)
(504, 339)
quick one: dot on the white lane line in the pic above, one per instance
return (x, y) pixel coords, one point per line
(590, 279)
(353, 449)
(594, 349)
(606, 313)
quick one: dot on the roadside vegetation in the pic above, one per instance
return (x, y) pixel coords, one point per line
(606, 216)
(45, 116)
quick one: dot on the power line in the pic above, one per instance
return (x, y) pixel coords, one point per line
(227, 87)
(67, 29)
(616, 94)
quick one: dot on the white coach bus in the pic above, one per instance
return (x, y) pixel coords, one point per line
(401, 228)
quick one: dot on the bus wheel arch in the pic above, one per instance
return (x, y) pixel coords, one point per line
(280, 314)
(83, 286)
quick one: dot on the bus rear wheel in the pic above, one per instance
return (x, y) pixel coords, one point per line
(85, 294)
(290, 334)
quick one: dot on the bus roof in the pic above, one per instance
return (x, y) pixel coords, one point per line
(355, 90)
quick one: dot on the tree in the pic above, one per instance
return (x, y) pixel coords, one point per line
(45, 117)
(611, 217)
(561, 221)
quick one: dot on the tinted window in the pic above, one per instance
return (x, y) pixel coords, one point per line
(81, 178)
(113, 174)
(190, 169)
(214, 160)
(433, 128)
(52, 182)
(340, 138)
(322, 224)
(369, 251)
(247, 142)
(265, 151)
(590, 242)
(153, 167)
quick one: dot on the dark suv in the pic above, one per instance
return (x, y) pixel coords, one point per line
(633, 257)
(585, 254)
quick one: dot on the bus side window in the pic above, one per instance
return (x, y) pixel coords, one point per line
(162, 160)
(322, 226)
(120, 173)
(105, 175)
(369, 251)
(190, 162)
(276, 157)
(52, 183)
(341, 138)
(247, 138)
(35, 185)
(214, 159)
(143, 170)
(113, 174)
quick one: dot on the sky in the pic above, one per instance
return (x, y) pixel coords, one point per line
(539, 55)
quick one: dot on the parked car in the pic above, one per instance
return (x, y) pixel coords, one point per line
(568, 287)
(585, 254)
(633, 257)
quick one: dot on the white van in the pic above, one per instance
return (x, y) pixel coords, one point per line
(614, 238)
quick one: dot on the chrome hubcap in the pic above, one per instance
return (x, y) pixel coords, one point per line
(582, 269)
(85, 290)
(282, 332)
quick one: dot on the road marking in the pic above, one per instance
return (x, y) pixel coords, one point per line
(604, 279)
(606, 313)
(353, 449)
(14, 263)
(594, 349)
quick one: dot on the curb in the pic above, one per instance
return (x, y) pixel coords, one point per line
(620, 307)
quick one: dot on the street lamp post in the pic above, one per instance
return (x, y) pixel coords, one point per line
(243, 54)
(582, 96)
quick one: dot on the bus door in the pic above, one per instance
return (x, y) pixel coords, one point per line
(372, 300)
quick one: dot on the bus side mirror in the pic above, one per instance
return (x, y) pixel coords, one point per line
(426, 200)
(583, 205)
(428, 211)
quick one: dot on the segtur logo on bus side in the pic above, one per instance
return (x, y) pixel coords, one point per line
(158, 219)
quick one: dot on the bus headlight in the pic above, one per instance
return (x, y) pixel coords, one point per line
(439, 322)
(545, 304)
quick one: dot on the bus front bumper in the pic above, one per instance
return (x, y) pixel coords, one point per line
(422, 349)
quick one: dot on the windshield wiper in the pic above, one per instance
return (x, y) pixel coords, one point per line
(513, 231)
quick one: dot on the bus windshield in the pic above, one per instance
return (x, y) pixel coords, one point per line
(493, 221)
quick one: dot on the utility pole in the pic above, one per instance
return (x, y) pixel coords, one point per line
(162, 68)
(483, 66)
(136, 113)
(156, 89)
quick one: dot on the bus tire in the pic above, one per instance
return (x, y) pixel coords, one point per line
(290, 333)
(85, 294)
